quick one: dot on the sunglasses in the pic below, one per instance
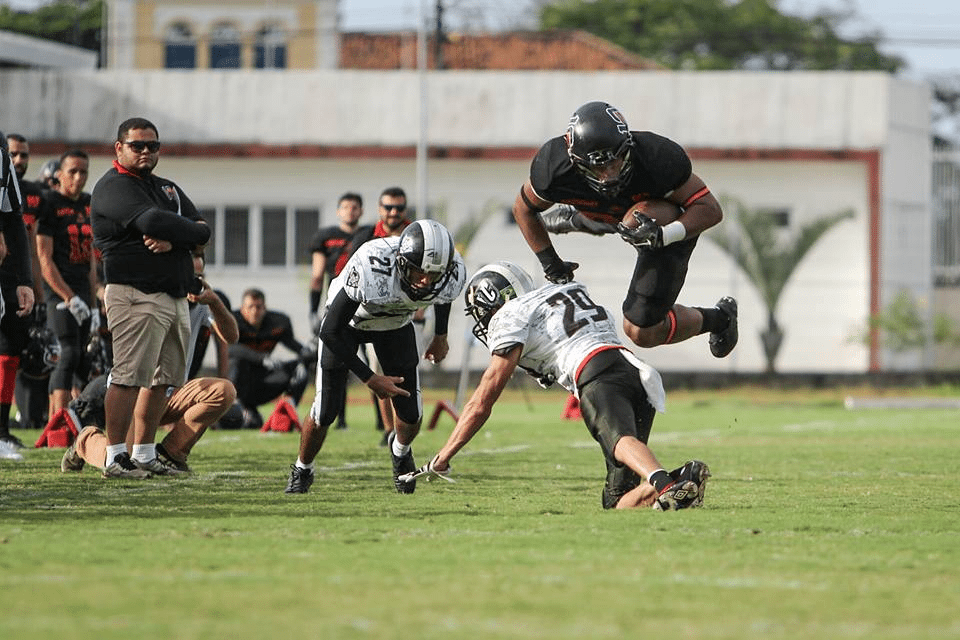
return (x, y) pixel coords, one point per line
(398, 207)
(139, 145)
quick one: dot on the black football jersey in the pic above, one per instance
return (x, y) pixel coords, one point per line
(660, 165)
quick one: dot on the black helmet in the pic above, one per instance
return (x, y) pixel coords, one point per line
(42, 352)
(426, 247)
(599, 142)
(490, 288)
(48, 171)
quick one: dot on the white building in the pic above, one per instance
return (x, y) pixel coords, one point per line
(267, 155)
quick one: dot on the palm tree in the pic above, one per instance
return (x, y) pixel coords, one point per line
(768, 256)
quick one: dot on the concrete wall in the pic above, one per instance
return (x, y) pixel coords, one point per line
(812, 143)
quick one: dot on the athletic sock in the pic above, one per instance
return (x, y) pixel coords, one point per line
(113, 450)
(400, 450)
(714, 320)
(303, 465)
(660, 480)
(144, 452)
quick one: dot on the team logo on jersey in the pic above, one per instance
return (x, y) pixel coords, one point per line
(170, 191)
(353, 278)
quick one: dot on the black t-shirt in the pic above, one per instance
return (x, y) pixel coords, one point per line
(68, 223)
(121, 206)
(275, 329)
(31, 194)
(660, 165)
(332, 242)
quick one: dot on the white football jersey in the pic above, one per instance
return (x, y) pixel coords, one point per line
(559, 326)
(371, 278)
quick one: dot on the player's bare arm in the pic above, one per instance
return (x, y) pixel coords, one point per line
(701, 208)
(478, 408)
(528, 217)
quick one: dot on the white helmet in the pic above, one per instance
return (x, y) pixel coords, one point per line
(490, 288)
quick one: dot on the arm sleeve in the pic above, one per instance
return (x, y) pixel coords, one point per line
(171, 227)
(442, 321)
(335, 325)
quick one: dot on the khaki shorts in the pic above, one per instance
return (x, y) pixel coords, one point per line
(150, 336)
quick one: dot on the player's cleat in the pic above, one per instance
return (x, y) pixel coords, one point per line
(123, 467)
(723, 342)
(402, 466)
(12, 440)
(71, 460)
(300, 480)
(688, 488)
(158, 467)
(170, 461)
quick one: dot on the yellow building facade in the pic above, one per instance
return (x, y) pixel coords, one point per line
(222, 34)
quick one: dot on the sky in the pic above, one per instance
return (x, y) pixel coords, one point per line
(924, 32)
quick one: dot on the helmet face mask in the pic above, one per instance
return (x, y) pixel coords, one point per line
(425, 259)
(599, 143)
(489, 289)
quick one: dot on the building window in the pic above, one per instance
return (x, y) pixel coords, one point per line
(306, 223)
(236, 235)
(224, 47)
(270, 50)
(180, 48)
(274, 234)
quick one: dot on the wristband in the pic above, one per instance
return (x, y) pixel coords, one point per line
(314, 301)
(548, 257)
(673, 232)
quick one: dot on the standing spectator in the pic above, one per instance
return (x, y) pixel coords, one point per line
(190, 410)
(373, 301)
(16, 287)
(558, 334)
(69, 268)
(31, 390)
(146, 229)
(256, 373)
(602, 168)
(329, 250)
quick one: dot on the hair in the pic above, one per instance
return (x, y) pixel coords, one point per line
(16, 136)
(350, 195)
(134, 123)
(394, 192)
(256, 294)
(74, 153)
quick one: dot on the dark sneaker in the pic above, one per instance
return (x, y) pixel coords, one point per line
(123, 467)
(158, 467)
(300, 480)
(169, 461)
(71, 460)
(723, 342)
(13, 440)
(688, 488)
(401, 466)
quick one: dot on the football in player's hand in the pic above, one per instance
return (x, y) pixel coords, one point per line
(661, 211)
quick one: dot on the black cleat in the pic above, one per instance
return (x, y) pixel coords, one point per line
(300, 480)
(401, 466)
(723, 342)
(688, 488)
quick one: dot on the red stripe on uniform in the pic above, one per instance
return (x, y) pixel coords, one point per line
(695, 197)
(672, 317)
(584, 362)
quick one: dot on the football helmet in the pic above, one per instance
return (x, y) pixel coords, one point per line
(490, 288)
(425, 259)
(599, 144)
(42, 352)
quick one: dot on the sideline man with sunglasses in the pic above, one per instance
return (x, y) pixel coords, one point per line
(146, 228)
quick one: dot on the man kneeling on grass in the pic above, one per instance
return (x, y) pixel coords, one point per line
(558, 334)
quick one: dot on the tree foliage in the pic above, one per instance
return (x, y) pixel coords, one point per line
(723, 34)
(74, 22)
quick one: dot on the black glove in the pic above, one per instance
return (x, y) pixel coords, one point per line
(555, 269)
(647, 235)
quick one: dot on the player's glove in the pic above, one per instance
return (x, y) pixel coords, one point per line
(77, 308)
(647, 235)
(94, 321)
(555, 269)
(565, 218)
(269, 363)
(427, 471)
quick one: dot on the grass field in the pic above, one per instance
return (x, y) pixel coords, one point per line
(819, 522)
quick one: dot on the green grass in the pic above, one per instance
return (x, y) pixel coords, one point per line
(819, 523)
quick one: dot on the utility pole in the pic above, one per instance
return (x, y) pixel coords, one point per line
(438, 39)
